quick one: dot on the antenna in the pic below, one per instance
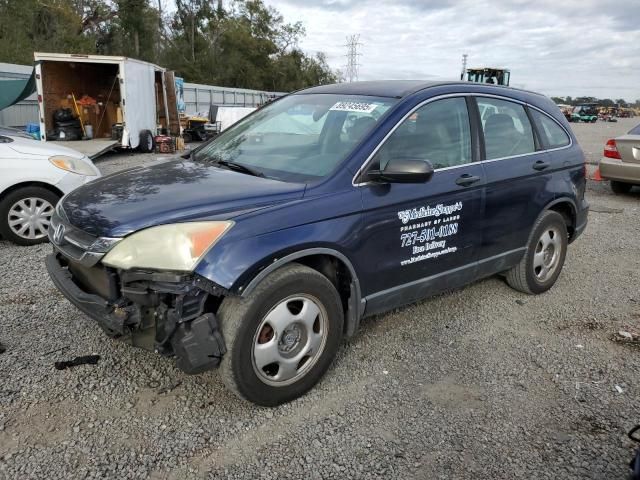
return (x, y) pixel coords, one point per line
(353, 42)
(464, 66)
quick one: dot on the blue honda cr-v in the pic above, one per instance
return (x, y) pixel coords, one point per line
(265, 247)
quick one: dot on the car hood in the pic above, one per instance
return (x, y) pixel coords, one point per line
(28, 146)
(169, 192)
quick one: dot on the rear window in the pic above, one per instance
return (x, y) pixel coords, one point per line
(635, 130)
(553, 135)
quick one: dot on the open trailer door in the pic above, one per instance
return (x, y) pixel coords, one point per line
(139, 102)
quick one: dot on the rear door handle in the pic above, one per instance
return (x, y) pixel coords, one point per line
(540, 165)
(466, 180)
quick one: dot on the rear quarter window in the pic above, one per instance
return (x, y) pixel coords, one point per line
(553, 135)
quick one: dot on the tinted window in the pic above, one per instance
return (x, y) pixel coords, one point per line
(438, 132)
(635, 130)
(507, 130)
(553, 134)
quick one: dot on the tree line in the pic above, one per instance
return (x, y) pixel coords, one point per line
(240, 43)
(604, 102)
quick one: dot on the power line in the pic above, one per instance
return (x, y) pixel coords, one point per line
(464, 66)
(351, 73)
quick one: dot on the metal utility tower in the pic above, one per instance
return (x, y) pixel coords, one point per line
(353, 42)
(464, 66)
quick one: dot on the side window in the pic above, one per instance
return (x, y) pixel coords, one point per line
(438, 132)
(506, 127)
(554, 135)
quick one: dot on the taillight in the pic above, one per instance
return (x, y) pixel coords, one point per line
(611, 150)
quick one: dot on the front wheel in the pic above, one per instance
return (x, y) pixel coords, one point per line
(543, 260)
(283, 337)
(25, 215)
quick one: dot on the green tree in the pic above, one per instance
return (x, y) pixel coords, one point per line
(32, 25)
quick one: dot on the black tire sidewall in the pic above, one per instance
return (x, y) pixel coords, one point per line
(550, 219)
(249, 385)
(145, 135)
(15, 196)
(620, 187)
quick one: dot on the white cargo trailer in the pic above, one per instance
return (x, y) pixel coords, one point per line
(134, 100)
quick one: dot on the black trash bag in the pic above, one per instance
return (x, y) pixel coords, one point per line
(634, 464)
(69, 133)
(69, 123)
(63, 115)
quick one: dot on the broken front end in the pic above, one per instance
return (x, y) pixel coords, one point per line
(165, 311)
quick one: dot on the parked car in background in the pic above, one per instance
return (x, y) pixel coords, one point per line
(262, 249)
(620, 162)
(14, 132)
(33, 177)
(586, 113)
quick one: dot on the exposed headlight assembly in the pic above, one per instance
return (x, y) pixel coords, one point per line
(71, 164)
(177, 246)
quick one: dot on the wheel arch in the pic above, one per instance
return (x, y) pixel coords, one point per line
(332, 264)
(566, 207)
(27, 184)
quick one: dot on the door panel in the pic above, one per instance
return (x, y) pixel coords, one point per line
(414, 233)
(518, 183)
(417, 231)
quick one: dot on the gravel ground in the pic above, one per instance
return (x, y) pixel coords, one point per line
(482, 383)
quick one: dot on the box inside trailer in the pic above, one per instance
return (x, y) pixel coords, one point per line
(62, 81)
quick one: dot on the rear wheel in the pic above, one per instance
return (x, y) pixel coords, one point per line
(542, 262)
(147, 143)
(282, 338)
(620, 188)
(25, 215)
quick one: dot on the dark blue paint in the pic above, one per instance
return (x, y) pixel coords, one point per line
(274, 219)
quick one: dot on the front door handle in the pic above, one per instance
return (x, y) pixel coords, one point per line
(540, 165)
(466, 180)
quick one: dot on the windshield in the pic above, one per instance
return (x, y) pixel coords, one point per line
(299, 138)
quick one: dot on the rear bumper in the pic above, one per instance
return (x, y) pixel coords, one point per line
(582, 218)
(613, 169)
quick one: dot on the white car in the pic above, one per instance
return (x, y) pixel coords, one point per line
(33, 177)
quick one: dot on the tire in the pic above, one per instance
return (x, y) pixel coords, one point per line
(620, 188)
(287, 296)
(147, 142)
(542, 255)
(15, 207)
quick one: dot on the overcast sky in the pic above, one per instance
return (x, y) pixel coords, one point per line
(557, 47)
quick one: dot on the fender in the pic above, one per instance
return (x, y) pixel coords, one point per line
(356, 307)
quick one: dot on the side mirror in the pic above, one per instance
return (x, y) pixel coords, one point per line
(402, 170)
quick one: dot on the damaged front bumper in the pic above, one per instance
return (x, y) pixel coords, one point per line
(161, 311)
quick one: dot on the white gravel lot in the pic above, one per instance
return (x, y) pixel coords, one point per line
(482, 383)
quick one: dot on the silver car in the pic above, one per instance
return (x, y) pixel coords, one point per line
(621, 161)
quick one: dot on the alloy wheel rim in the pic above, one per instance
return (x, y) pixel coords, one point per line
(289, 340)
(29, 218)
(546, 257)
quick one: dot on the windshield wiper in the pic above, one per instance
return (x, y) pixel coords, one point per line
(238, 167)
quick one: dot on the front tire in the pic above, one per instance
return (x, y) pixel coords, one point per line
(282, 338)
(25, 215)
(620, 188)
(543, 260)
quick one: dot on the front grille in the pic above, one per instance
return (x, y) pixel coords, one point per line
(72, 242)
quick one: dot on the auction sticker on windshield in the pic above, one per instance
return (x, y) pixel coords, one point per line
(354, 107)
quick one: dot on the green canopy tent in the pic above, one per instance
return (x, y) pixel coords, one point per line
(13, 91)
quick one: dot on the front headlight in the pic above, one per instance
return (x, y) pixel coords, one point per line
(74, 165)
(177, 246)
